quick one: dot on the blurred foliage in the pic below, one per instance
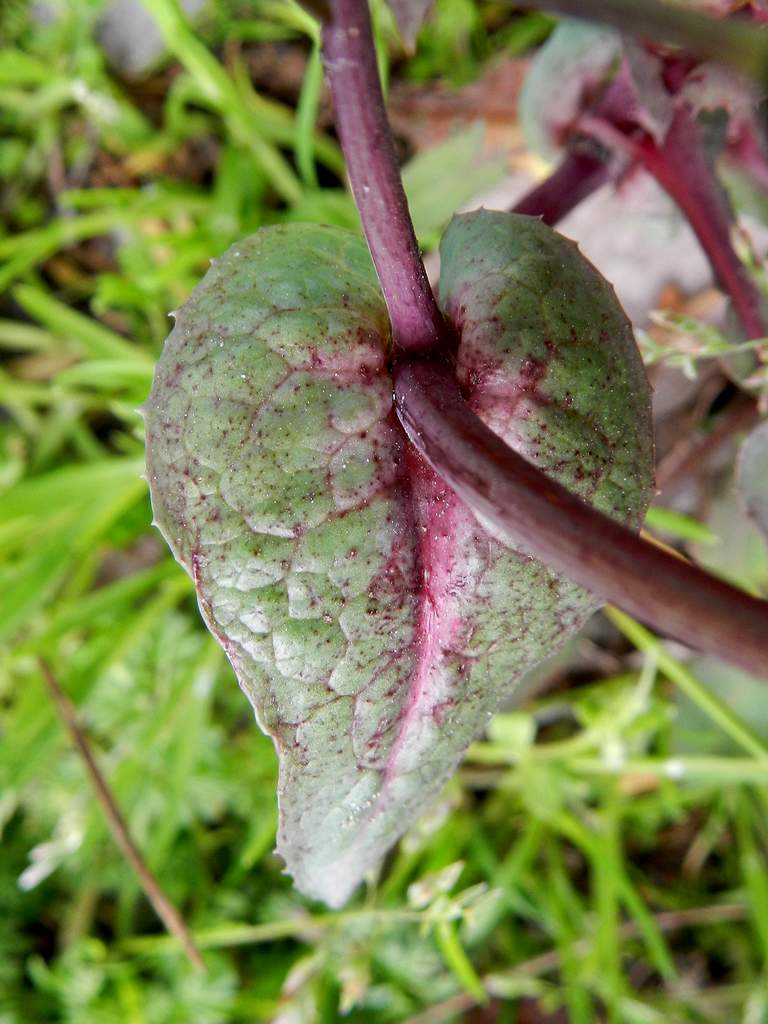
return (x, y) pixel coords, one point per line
(588, 856)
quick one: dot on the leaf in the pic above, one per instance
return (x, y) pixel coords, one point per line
(654, 104)
(409, 15)
(566, 74)
(728, 108)
(441, 179)
(372, 621)
(547, 357)
(753, 476)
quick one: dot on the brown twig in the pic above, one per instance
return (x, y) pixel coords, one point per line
(164, 909)
(676, 467)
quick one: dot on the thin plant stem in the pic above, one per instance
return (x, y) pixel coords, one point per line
(578, 176)
(714, 771)
(681, 167)
(164, 909)
(306, 926)
(554, 525)
(361, 119)
(708, 770)
(676, 468)
(241, 934)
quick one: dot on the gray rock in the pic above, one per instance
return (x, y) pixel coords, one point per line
(130, 37)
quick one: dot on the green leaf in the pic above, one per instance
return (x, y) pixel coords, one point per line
(678, 525)
(373, 622)
(573, 64)
(442, 179)
(551, 357)
(456, 958)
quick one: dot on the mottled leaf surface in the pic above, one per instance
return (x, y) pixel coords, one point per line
(372, 621)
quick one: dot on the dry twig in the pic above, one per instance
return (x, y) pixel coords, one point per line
(164, 909)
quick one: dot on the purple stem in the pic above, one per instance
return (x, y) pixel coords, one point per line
(578, 176)
(554, 525)
(748, 153)
(361, 119)
(587, 164)
(683, 170)
(606, 558)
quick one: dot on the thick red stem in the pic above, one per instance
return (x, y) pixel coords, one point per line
(522, 502)
(550, 523)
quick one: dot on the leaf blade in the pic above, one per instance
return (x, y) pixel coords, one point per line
(372, 621)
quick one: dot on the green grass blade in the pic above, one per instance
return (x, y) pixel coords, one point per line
(223, 95)
(306, 115)
(689, 684)
(84, 333)
(456, 958)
